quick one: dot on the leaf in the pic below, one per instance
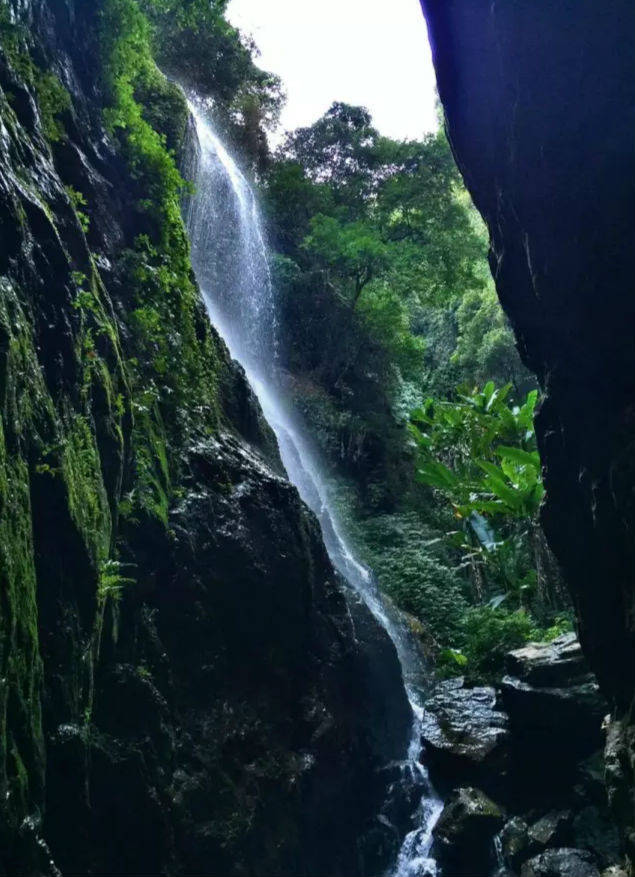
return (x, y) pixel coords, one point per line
(538, 493)
(519, 456)
(525, 416)
(508, 420)
(423, 440)
(486, 506)
(515, 473)
(498, 485)
(454, 656)
(437, 475)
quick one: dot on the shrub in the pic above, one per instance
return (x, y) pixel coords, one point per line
(409, 572)
(488, 634)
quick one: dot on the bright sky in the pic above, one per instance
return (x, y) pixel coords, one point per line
(368, 52)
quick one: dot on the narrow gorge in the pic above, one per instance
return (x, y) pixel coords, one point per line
(275, 595)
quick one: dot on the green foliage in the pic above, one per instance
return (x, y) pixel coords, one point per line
(341, 149)
(112, 581)
(485, 346)
(414, 570)
(387, 295)
(174, 364)
(78, 201)
(427, 589)
(195, 44)
(379, 249)
(53, 100)
(394, 204)
(128, 65)
(353, 251)
(292, 199)
(480, 453)
(372, 231)
(488, 634)
(466, 451)
(9, 33)
(386, 320)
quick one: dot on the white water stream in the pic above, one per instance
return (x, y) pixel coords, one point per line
(229, 258)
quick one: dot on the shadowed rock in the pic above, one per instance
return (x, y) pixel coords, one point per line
(463, 836)
(539, 99)
(465, 736)
(560, 863)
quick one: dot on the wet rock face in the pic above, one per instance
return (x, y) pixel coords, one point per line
(555, 711)
(463, 835)
(465, 737)
(534, 746)
(560, 863)
(540, 106)
(557, 664)
(526, 740)
(208, 704)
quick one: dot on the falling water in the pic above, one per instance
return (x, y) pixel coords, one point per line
(229, 258)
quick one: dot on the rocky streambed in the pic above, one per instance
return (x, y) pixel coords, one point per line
(522, 769)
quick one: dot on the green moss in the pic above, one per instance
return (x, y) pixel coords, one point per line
(21, 740)
(78, 201)
(151, 493)
(53, 100)
(173, 362)
(87, 499)
(19, 653)
(124, 407)
(128, 64)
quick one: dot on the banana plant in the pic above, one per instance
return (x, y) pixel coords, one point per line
(479, 451)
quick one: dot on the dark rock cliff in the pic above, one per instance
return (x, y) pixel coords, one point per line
(182, 686)
(540, 105)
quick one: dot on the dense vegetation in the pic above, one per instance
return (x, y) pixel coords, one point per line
(400, 358)
(390, 321)
(194, 42)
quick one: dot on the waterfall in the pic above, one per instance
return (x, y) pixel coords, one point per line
(229, 258)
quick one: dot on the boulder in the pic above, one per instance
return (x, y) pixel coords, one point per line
(555, 714)
(514, 840)
(553, 664)
(593, 831)
(464, 834)
(465, 737)
(590, 780)
(551, 830)
(564, 862)
(549, 688)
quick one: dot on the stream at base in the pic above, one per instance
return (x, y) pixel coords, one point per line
(230, 261)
